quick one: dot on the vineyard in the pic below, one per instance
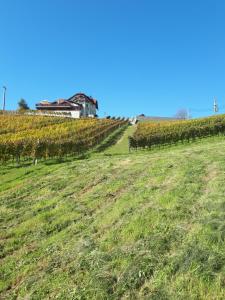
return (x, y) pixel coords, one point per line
(47, 137)
(150, 134)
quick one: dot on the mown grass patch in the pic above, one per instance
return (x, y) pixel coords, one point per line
(136, 226)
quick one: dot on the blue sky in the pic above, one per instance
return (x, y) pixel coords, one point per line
(134, 56)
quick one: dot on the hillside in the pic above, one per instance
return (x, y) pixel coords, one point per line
(144, 225)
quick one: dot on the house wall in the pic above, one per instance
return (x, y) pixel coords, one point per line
(90, 110)
(75, 114)
(57, 113)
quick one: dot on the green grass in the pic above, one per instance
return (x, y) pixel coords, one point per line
(113, 140)
(144, 225)
(122, 146)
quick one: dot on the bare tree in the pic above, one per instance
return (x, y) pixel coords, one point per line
(182, 114)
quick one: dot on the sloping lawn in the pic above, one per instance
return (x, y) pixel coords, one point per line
(145, 225)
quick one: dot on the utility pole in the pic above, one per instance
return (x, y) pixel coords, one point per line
(215, 106)
(4, 93)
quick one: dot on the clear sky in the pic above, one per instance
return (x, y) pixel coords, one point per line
(134, 56)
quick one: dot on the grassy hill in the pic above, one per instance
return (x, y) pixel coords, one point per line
(144, 225)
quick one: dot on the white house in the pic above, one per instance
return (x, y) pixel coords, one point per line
(79, 105)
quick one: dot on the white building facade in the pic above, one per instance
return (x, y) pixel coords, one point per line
(77, 106)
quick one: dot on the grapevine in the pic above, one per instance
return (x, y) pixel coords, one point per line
(39, 137)
(151, 134)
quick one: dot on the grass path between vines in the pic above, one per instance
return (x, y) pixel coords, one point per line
(145, 225)
(121, 147)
